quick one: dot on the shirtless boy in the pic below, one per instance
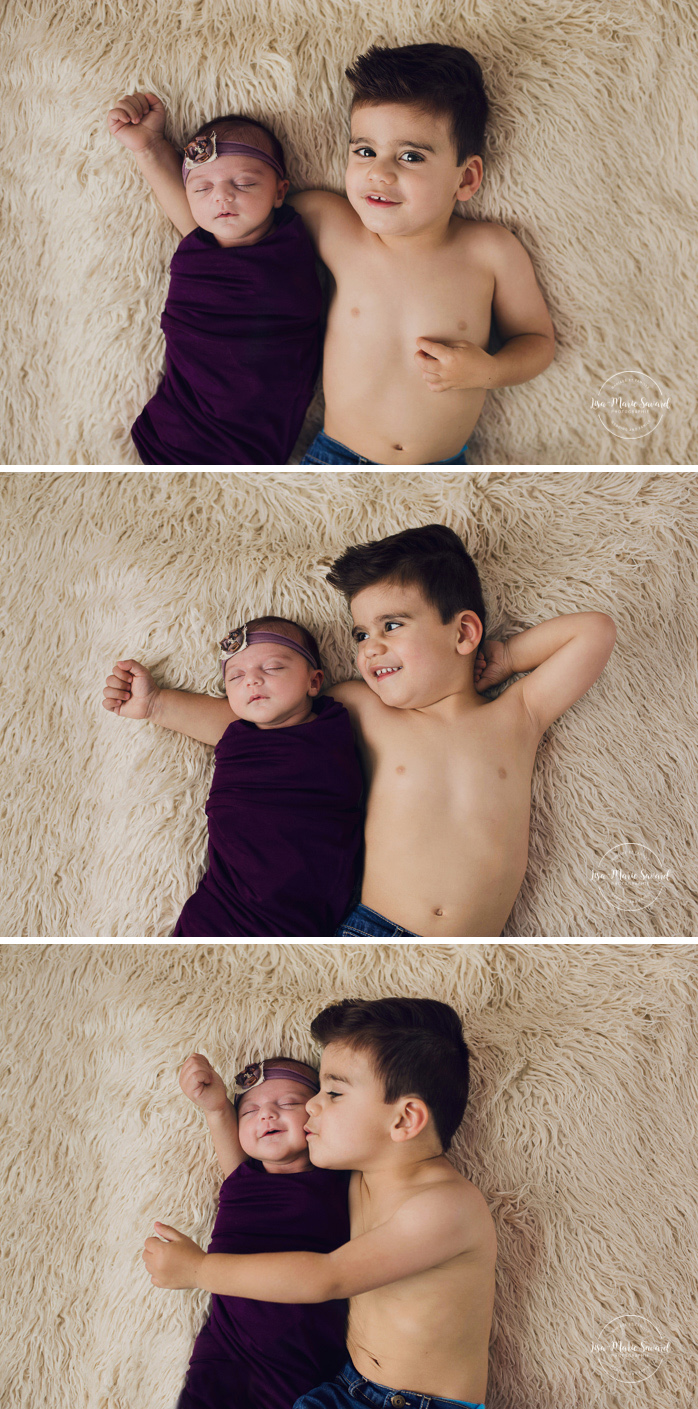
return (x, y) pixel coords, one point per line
(406, 367)
(448, 771)
(419, 1266)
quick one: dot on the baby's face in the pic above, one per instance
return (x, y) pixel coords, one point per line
(271, 1118)
(234, 197)
(271, 685)
(402, 175)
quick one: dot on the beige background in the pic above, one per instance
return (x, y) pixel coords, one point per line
(591, 161)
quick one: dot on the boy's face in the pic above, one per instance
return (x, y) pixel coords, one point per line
(402, 175)
(271, 1118)
(234, 197)
(348, 1121)
(270, 685)
(406, 654)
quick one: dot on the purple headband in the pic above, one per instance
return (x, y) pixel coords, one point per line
(205, 149)
(257, 1072)
(238, 639)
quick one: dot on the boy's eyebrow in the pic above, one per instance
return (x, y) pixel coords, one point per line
(400, 142)
(329, 1077)
(387, 616)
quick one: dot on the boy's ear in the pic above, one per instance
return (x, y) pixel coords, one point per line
(469, 633)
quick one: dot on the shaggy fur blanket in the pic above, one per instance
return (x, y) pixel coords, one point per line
(590, 142)
(102, 825)
(580, 1133)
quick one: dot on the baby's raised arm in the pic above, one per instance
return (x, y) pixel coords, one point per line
(131, 693)
(202, 1084)
(138, 122)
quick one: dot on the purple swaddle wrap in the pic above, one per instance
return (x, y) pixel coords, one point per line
(242, 351)
(262, 1354)
(285, 830)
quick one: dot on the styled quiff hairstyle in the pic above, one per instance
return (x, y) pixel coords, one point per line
(292, 629)
(438, 78)
(416, 1047)
(432, 558)
(235, 127)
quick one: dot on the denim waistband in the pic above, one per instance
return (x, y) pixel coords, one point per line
(325, 449)
(385, 1398)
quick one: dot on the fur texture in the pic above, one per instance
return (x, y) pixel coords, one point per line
(103, 824)
(590, 146)
(580, 1133)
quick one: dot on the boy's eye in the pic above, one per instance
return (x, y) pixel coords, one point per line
(363, 151)
(388, 624)
(360, 636)
(416, 156)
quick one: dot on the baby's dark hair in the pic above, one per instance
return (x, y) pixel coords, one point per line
(293, 629)
(416, 1048)
(432, 558)
(236, 127)
(441, 79)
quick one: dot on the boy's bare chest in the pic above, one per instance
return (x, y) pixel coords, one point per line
(446, 297)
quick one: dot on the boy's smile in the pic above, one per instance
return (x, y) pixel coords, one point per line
(406, 654)
(402, 177)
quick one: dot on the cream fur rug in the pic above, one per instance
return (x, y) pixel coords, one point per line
(103, 827)
(580, 1133)
(591, 148)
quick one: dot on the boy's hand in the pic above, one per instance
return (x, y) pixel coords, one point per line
(458, 366)
(138, 121)
(130, 691)
(202, 1084)
(492, 665)
(175, 1262)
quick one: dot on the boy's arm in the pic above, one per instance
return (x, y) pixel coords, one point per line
(522, 319)
(565, 657)
(430, 1228)
(327, 218)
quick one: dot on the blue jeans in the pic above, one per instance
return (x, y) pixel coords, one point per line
(364, 922)
(349, 1389)
(326, 451)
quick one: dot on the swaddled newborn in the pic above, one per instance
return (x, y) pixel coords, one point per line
(242, 317)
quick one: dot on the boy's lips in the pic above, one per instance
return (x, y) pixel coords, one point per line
(381, 672)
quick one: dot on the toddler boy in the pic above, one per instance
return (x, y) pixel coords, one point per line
(406, 367)
(284, 815)
(242, 318)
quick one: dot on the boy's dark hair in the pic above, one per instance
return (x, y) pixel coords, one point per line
(416, 1047)
(438, 78)
(284, 627)
(232, 128)
(431, 558)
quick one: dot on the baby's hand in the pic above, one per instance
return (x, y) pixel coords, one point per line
(130, 691)
(138, 121)
(491, 665)
(202, 1084)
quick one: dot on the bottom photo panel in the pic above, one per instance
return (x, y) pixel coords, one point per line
(322, 1176)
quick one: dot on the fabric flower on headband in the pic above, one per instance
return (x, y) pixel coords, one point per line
(201, 149)
(235, 641)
